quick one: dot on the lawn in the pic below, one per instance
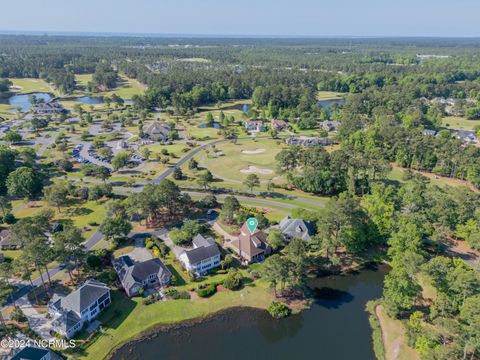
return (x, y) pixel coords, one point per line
(12, 254)
(81, 215)
(459, 123)
(397, 172)
(233, 158)
(329, 95)
(31, 85)
(126, 87)
(128, 318)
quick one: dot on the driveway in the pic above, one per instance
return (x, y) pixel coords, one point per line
(140, 252)
(38, 321)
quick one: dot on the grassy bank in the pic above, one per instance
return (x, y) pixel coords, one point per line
(377, 340)
(128, 319)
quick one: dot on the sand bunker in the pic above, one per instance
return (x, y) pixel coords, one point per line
(254, 169)
(252, 152)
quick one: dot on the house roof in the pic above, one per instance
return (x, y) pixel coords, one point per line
(131, 272)
(296, 228)
(204, 248)
(250, 244)
(156, 128)
(81, 298)
(30, 353)
(7, 240)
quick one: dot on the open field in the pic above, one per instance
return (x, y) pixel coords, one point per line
(126, 89)
(459, 123)
(329, 95)
(31, 85)
(231, 159)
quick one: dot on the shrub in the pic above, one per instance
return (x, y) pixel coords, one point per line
(233, 280)
(93, 261)
(149, 243)
(9, 219)
(206, 290)
(156, 251)
(278, 310)
(175, 294)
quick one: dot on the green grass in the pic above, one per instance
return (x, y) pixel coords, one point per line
(126, 89)
(127, 318)
(459, 123)
(233, 159)
(329, 95)
(194, 59)
(12, 254)
(31, 85)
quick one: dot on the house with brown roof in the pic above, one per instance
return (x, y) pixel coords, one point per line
(279, 125)
(251, 247)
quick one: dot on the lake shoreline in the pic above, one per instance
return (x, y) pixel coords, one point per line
(167, 328)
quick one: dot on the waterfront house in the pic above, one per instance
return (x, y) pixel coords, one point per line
(295, 228)
(309, 141)
(33, 353)
(135, 276)
(251, 247)
(204, 256)
(47, 108)
(73, 311)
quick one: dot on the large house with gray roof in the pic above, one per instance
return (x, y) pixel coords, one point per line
(135, 276)
(81, 306)
(157, 131)
(204, 256)
(295, 228)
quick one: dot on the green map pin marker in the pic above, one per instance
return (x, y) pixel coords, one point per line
(252, 224)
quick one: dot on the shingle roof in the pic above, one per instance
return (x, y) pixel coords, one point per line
(30, 353)
(250, 244)
(84, 296)
(156, 128)
(204, 248)
(296, 228)
(130, 272)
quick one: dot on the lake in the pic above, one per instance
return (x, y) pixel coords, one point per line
(23, 100)
(335, 328)
(328, 103)
(214, 125)
(89, 100)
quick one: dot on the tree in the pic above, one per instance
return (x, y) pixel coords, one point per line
(210, 120)
(56, 195)
(399, 292)
(278, 310)
(23, 182)
(229, 209)
(204, 179)
(276, 272)
(114, 227)
(470, 319)
(177, 173)
(251, 181)
(68, 246)
(12, 137)
(186, 233)
(276, 239)
(5, 206)
(120, 160)
(192, 164)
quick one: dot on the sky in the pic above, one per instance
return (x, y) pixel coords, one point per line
(454, 18)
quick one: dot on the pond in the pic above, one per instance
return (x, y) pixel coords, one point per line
(336, 327)
(328, 103)
(214, 125)
(23, 100)
(89, 100)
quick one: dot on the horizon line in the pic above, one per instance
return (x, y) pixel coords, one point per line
(225, 36)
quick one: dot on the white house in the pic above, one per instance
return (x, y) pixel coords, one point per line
(203, 257)
(81, 306)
